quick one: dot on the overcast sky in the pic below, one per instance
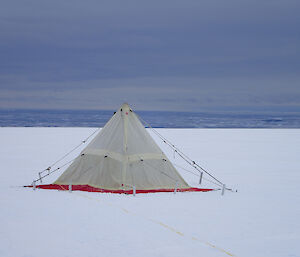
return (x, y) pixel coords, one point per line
(156, 55)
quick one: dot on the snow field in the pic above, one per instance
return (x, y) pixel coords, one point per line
(260, 220)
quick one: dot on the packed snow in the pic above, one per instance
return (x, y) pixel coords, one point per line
(261, 219)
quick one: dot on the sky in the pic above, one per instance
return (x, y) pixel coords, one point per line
(156, 55)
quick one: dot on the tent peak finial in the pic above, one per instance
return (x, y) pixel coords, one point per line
(125, 106)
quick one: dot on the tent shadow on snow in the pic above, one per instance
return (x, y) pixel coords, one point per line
(122, 158)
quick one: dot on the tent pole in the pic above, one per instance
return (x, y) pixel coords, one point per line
(33, 185)
(70, 188)
(134, 191)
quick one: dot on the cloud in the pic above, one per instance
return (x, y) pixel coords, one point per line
(158, 54)
(165, 93)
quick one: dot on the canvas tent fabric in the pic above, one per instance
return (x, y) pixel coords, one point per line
(122, 156)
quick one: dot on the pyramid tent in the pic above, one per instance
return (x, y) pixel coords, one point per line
(122, 156)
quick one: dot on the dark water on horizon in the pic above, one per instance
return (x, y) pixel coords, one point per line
(93, 118)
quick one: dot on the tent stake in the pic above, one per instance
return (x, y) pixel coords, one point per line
(223, 189)
(70, 188)
(40, 177)
(176, 185)
(134, 191)
(200, 179)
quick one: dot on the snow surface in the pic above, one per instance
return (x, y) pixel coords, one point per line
(261, 219)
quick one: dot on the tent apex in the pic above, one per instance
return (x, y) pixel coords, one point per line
(125, 107)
